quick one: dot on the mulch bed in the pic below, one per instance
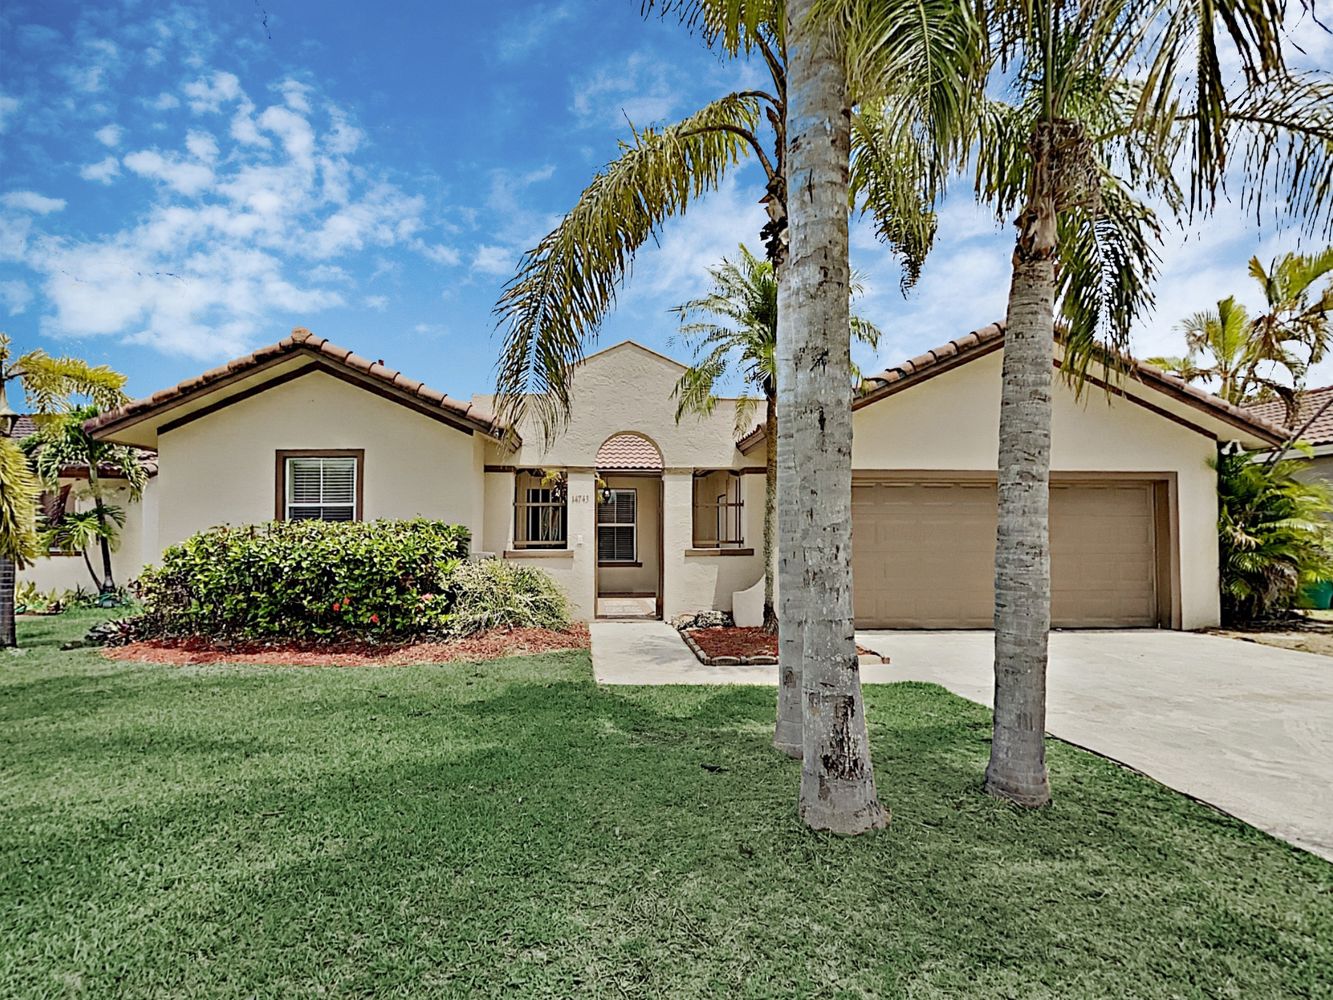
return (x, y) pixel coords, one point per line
(731, 645)
(485, 646)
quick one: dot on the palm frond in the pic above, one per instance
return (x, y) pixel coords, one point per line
(552, 308)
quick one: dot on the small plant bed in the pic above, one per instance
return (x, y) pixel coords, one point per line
(489, 645)
(731, 645)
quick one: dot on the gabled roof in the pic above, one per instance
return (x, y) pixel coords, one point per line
(984, 341)
(328, 356)
(1308, 403)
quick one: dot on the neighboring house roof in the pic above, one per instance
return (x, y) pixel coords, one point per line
(1308, 403)
(982, 342)
(26, 426)
(628, 451)
(337, 360)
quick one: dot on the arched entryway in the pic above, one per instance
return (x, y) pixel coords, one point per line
(629, 527)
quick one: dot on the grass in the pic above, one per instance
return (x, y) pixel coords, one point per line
(511, 829)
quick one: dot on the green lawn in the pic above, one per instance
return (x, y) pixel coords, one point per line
(510, 828)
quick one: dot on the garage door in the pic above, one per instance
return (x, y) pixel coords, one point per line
(923, 554)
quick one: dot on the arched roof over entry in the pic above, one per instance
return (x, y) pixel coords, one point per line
(629, 451)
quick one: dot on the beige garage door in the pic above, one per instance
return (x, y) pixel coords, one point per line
(923, 554)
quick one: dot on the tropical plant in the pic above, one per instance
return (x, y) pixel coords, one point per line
(49, 385)
(80, 530)
(307, 579)
(1111, 105)
(565, 286)
(1251, 359)
(736, 333)
(1274, 535)
(497, 594)
(61, 443)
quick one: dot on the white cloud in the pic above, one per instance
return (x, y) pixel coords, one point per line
(164, 102)
(642, 88)
(103, 171)
(202, 146)
(31, 201)
(439, 253)
(8, 105)
(109, 135)
(494, 260)
(251, 225)
(209, 94)
(175, 172)
(16, 296)
(523, 34)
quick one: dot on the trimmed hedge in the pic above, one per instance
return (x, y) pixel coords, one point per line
(307, 580)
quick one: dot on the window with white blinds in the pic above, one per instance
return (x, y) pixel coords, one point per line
(617, 526)
(321, 488)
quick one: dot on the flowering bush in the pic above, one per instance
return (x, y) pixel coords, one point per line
(307, 580)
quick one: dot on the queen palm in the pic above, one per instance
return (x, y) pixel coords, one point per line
(566, 285)
(1253, 358)
(736, 335)
(49, 385)
(1113, 103)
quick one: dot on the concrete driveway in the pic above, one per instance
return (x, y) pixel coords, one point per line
(1246, 727)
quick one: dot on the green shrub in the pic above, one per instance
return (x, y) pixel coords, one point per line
(306, 580)
(496, 594)
(1273, 534)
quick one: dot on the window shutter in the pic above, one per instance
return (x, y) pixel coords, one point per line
(321, 488)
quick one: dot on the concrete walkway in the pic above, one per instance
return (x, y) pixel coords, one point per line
(1246, 727)
(630, 652)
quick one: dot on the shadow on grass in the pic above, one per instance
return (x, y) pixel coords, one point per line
(512, 829)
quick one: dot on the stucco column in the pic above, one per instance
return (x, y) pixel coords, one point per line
(677, 536)
(582, 536)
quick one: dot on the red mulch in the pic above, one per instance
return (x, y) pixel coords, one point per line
(485, 646)
(741, 642)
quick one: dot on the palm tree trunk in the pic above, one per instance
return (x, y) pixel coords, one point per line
(837, 779)
(770, 505)
(108, 583)
(1017, 768)
(787, 736)
(91, 572)
(8, 636)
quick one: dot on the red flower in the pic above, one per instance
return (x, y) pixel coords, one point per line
(374, 619)
(336, 607)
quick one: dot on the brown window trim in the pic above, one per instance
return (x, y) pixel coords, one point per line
(281, 456)
(613, 565)
(703, 550)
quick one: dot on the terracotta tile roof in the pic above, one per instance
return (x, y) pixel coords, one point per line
(301, 341)
(990, 338)
(1308, 403)
(25, 426)
(628, 451)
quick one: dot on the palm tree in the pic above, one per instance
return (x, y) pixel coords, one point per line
(1219, 348)
(62, 443)
(741, 334)
(1112, 102)
(1269, 355)
(49, 384)
(565, 286)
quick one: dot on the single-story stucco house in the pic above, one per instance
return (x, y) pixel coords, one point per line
(629, 509)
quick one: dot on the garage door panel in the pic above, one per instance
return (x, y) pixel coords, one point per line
(924, 554)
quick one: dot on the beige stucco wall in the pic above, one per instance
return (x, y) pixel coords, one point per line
(220, 468)
(951, 422)
(127, 560)
(627, 388)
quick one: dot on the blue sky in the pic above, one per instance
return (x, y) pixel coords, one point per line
(183, 182)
